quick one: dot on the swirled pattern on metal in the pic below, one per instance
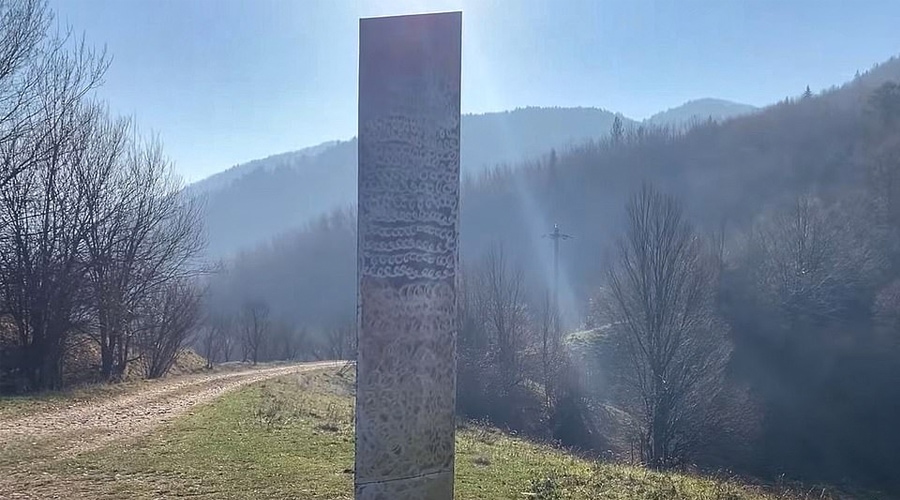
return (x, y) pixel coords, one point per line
(409, 115)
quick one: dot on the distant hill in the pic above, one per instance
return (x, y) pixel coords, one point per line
(510, 137)
(284, 160)
(700, 110)
(254, 201)
(249, 203)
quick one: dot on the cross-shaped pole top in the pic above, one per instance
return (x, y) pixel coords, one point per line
(556, 235)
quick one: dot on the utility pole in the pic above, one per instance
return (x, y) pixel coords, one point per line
(556, 236)
(552, 327)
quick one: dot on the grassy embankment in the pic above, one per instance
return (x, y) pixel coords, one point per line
(187, 364)
(293, 438)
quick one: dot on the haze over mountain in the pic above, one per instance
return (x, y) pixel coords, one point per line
(254, 201)
(700, 109)
(730, 171)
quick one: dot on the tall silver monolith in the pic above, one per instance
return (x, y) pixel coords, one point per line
(409, 93)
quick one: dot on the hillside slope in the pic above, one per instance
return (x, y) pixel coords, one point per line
(293, 438)
(291, 159)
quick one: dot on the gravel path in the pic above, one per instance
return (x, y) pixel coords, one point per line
(88, 426)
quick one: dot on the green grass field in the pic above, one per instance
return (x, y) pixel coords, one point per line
(293, 438)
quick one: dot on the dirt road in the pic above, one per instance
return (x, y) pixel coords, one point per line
(88, 426)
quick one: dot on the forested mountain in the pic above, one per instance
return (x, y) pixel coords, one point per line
(255, 201)
(265, 201)
(728, 173)
(290, 159)
(252, 202)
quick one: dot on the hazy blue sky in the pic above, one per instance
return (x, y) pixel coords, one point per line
(226, 81)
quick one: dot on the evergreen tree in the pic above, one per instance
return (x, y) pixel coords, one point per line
(618, 129)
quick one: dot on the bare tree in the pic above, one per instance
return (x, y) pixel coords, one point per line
(339, 342)
(215, 337)
(283, 343)
(255, 328)
(470, 320)
(495, 340)
(810, 263)
(92, 224)
(230, 342)
(500, 294)
(660, 297)
(144, 233)
(172, 314)
(43, 217)
(24, 51)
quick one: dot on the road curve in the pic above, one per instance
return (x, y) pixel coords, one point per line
(91, 425)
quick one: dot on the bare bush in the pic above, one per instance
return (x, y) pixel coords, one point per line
(499, 355)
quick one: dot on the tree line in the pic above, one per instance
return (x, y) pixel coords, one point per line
(771, 351)
(252, 333)
(306, 280)
(99, 246)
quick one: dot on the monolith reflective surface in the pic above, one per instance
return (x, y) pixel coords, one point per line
(409, 116)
